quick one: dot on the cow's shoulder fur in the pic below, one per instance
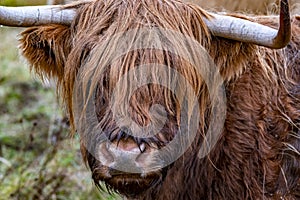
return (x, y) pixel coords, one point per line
(257, 155)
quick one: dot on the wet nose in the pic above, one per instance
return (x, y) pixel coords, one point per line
(122, 156)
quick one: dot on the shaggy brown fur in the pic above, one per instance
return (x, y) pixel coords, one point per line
(258, 153)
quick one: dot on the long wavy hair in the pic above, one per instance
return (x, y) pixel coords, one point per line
(257, 153)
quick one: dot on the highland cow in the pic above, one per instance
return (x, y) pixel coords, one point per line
(171, 101)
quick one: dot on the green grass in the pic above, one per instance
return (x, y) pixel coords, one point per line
(22, 2)
(38, 159)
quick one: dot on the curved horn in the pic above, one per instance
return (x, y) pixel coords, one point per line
(251, 32)
(35, 15)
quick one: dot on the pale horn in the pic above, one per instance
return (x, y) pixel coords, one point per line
(35, 15)
(250, 32)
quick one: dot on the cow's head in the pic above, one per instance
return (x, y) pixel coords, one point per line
(137, 77)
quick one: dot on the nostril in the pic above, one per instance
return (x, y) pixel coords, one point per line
(118, 134)
(128, 144)
(122, 139)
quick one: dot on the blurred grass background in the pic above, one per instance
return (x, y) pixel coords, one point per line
(22, 2)
(38, 159)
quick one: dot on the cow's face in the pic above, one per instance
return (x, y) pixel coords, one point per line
(132, 92)
(133, 116)
(133, 111)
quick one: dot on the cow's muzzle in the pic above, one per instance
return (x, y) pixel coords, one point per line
(128, 167)
(127, 157)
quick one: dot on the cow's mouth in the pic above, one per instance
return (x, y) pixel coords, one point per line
(126, 183)
(133, 185)
(127, 167)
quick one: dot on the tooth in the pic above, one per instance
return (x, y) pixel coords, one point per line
(142, 147)
(143, 175)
